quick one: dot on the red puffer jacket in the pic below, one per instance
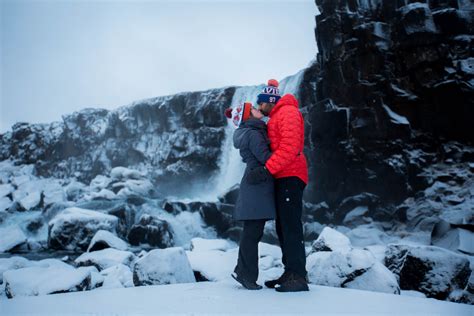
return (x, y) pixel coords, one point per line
(286, 133)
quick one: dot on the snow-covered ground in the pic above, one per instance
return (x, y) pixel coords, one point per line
(226, 298)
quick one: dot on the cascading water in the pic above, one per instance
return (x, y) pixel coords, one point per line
(231, 165)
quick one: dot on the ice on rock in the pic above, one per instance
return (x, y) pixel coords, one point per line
(74, 228)
(106, 258)
(201, 244)
(394, 117)
(104, 194)
(117, 276)
(163, 266)
(11, 236)
(99, 182)
(33, 281)
(105, 239)
(141, 187)
(331, 240)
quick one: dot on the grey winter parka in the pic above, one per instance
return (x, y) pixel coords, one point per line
(255, 201)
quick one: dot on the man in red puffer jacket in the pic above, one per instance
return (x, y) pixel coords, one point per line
(288, 166)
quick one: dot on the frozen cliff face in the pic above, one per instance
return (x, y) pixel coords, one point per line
(175, 137)
(391, 84)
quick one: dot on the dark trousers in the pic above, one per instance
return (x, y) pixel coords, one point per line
(289, 208)
(247, 263)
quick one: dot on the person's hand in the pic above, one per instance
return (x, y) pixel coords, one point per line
(258, 175)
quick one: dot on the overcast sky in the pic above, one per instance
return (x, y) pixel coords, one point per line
(61, 56)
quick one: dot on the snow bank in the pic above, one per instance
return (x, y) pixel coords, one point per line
(106, 258)
(163, 266)
(34, 281)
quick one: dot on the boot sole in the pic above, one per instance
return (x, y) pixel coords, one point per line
(271, 286)
(283, 290)
(248, 288)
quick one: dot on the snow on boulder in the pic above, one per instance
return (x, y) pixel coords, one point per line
(431, 270)
(33, 281)
(53, 192)
(13, 263)
(10, 237)
(378, 279)
(31, 200)
(117, 276)
(151, 230)
(105, 239)
(212, 265)
(74, 228)
(334, 268)
(447, 236)
(331, 240)
(103, 259)
(122, 173)
(96, 278)
(141, 187)
(201, 244)
(163, 266)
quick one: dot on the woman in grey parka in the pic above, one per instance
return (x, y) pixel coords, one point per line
(256, 201)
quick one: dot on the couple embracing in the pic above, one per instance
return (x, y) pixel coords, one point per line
(272, 186)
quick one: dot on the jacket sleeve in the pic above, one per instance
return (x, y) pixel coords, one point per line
(259, 147)
(290, 126)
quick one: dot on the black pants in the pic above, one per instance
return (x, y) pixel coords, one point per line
(289, 208)
(247, 264)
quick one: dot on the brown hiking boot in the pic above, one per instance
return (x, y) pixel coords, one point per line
(272, 283)
(293, 283)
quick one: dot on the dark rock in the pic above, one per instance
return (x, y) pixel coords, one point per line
(73, 228)
(151, 230)
(450, 237)
(213, 216)
(230, 197)
(126, 215)
(234, 233)
(433, 271)
(34, 225)
(174, 207)
(199, 277)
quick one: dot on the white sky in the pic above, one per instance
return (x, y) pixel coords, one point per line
(61, 56)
